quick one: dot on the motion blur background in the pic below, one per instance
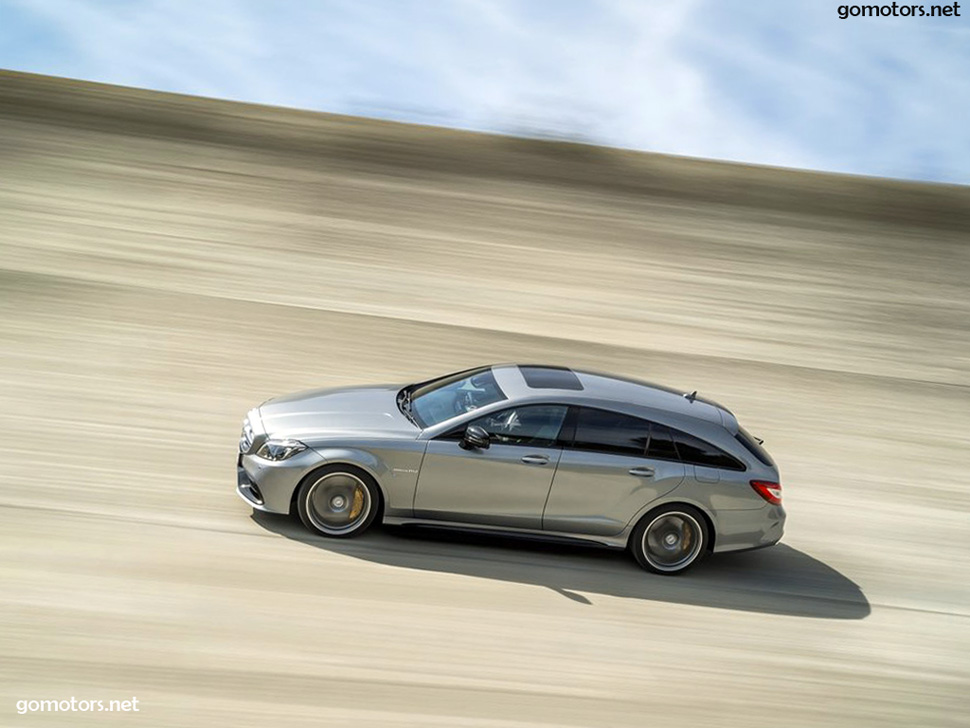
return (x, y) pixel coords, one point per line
(169, 261)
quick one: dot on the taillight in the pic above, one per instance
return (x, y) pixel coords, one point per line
(771, 492)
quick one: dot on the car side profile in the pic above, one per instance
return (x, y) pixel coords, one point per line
(537, 451)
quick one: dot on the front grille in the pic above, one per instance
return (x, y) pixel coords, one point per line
(247, 436)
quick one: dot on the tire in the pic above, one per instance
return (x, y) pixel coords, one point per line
(338, 501)
(670, 539)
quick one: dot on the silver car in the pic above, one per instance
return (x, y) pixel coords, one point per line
(539, 451)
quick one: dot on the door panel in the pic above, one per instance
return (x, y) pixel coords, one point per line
(504, 485)
(595, 493)
(615, 465)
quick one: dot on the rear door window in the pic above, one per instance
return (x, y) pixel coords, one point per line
(611, 432)
(661, 443)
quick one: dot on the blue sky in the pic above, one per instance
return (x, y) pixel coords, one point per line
(762, 81)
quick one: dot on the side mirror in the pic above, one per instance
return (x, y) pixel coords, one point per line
(475, 437)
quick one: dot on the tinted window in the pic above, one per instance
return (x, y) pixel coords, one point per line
(661, 443)
(697, 452)
(535, 425)
(754, 447)
(611, 432)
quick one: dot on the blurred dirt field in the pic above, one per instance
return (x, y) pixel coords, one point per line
(166, 263)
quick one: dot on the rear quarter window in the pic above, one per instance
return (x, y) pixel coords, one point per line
(695, 451)
(754, 447)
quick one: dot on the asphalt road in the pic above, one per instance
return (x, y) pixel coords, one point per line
(166, 263)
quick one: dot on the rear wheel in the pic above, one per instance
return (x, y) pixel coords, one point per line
(670, 539)
(338, 501)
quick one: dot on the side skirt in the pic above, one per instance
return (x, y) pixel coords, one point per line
(616, 542)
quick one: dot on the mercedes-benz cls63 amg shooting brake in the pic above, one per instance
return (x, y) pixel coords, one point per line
(533, 450)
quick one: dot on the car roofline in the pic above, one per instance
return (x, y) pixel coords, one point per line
(726, 417)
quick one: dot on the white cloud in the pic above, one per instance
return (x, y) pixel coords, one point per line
(758, 81)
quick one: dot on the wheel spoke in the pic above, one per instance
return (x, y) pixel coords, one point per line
(338, 503)
(672, 541)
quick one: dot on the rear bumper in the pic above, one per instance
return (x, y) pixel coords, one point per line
(745, 530)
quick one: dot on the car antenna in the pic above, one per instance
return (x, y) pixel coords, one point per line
(691, 397)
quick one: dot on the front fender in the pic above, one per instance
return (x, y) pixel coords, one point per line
(396, 474)
(363, 459)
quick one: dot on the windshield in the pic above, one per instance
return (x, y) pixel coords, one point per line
(455, 394)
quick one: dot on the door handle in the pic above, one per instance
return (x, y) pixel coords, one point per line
(535, 459)
(642, 472)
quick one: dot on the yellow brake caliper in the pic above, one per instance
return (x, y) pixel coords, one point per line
(358, 505)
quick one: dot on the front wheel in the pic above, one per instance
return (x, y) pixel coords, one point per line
(338, 502)
(670, 539)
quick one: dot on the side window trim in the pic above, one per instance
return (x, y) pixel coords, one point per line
(567, 433)
(673, 443)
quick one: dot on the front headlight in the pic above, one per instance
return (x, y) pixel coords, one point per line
(280, 449)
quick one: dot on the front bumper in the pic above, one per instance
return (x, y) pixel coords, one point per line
(269, 486)
(247, 489)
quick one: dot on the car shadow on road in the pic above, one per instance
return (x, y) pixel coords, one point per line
(779, 580)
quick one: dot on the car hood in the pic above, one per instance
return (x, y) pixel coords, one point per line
(352, 410)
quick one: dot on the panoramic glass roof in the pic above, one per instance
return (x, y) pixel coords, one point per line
(539, 377)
